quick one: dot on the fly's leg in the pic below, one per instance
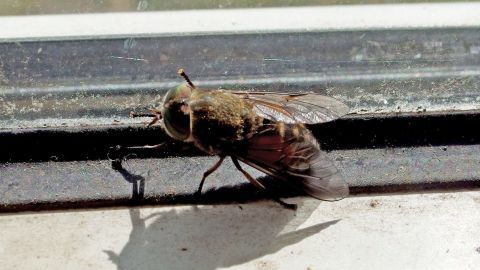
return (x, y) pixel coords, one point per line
(134, 115)
(154, 113)
(207, 173)
(155, 146)
(260, 186)
(118, 153)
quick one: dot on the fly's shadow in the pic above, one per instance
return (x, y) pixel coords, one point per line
(240, 192)
(209, 237)
(137, 181)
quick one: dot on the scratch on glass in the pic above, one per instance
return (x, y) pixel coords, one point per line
(278, 59)
(129, 58)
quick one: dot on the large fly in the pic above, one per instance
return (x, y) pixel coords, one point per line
(265, 130)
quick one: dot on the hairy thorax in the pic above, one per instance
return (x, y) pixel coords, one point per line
(220, 119)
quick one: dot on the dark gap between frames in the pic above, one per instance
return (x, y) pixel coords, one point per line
(350, 132)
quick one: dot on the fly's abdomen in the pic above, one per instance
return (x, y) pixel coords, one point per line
(291, 152)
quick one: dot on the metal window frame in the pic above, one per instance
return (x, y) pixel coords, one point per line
(412, 82)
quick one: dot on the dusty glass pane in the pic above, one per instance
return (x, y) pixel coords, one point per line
(82, 79)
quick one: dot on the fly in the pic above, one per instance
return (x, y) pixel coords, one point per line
(265, 130)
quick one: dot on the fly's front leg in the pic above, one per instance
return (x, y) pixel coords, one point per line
(154, 113)
(118, 153)
(207, 173)
(255, 182)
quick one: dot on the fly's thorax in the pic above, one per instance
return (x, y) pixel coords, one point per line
(176, 118)
(220, 119)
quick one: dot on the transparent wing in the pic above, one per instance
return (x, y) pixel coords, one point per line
(294, 156)
(308, 108)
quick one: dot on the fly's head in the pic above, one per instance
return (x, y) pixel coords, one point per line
(176, 113)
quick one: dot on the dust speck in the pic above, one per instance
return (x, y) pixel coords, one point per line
(266, 265)
(374, 203)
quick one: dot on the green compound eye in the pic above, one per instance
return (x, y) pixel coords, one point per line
(176, 116)
(182, 91)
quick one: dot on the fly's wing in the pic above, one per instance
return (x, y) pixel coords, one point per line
(292, 153)
(308, 108)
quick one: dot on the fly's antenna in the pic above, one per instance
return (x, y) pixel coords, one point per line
(182, 73)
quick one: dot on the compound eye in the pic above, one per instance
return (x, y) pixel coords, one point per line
(175, 112)
(180, 92)
(177, 120)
